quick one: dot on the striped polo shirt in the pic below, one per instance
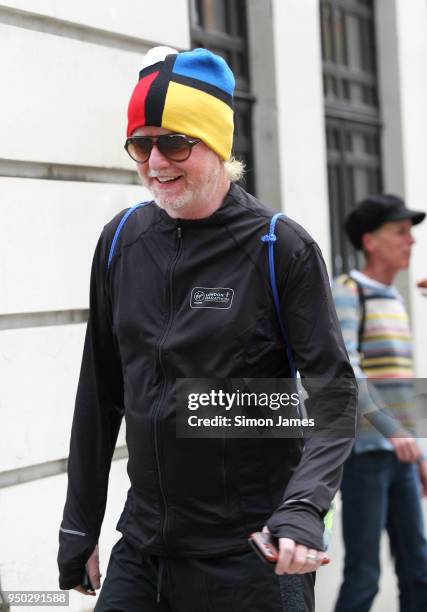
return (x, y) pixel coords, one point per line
(382, 360)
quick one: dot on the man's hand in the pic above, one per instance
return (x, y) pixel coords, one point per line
(406, 449)
(422, 468)
(92, 568)
(297, 559)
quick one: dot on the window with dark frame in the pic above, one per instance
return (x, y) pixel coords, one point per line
(221, 27)
(352, 114)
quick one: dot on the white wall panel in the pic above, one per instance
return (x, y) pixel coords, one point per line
(39, 369)
(163, 21)
(402, 51)
(412, 33)
(65, 100)
(301, 116)
(39, 372)
(31, 515)
(48, 232)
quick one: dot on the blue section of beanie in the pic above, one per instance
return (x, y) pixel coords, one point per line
(203, 65)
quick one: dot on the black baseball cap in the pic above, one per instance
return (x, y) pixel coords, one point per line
(373, 212)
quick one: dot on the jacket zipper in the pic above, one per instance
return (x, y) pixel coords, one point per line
(162, 392)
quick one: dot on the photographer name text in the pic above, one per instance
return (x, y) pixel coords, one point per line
(243, 421)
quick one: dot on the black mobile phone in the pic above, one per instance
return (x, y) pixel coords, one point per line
(86, 583)
(265, 546)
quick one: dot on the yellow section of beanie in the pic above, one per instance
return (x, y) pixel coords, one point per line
(196, 113)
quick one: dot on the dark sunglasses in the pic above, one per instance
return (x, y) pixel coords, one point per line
(176, 147)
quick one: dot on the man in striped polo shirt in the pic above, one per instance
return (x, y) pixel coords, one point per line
(382, 477)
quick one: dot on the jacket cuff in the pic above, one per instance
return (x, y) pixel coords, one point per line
(75, 548)
(299, 522)
(70, 580)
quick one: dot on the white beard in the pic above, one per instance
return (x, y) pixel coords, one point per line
(189, 197)
(173, 203)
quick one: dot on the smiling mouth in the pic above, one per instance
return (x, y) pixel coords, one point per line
(164, 180)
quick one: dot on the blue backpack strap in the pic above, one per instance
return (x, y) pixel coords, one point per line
(123, 220)
(271, 239)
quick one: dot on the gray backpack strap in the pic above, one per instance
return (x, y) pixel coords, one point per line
(362, 304)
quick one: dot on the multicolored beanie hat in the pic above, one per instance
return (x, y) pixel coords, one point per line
(188, 93)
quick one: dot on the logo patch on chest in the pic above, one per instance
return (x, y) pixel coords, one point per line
(211, 297)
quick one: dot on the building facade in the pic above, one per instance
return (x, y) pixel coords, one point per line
(331, 99)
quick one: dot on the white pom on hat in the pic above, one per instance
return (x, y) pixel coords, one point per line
(156, 54)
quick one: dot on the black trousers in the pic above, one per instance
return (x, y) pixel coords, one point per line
(236, 583)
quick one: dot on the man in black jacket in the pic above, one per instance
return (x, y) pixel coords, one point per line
(182, 291)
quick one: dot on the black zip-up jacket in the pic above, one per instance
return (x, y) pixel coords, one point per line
(199, 497)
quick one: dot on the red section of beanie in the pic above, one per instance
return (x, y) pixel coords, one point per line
(136, 109)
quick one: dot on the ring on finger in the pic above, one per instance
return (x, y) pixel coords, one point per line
(310, 557)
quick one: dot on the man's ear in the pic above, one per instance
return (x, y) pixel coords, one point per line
(368, 242)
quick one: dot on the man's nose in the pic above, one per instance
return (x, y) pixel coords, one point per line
(157, 160)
